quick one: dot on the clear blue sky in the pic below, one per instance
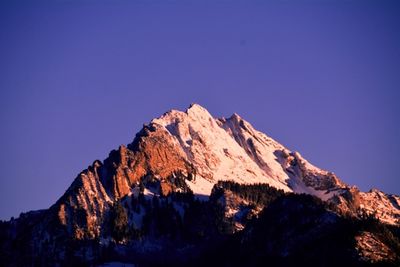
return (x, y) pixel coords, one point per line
(79, 78)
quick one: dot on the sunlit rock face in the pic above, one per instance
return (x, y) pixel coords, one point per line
(169, 183)
(193, 143)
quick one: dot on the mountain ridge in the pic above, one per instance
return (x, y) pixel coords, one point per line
(183, 157)
(193, 142)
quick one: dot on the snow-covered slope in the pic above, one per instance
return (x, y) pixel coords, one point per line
(140, 197)
(213, 151)
(205, 150)
(231, 149)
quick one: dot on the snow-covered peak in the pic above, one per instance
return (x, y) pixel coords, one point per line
(213, 149)
(231, 149)
(196, 109)
(236, 117)
(196, 145)
(193, 113)
(307, 165)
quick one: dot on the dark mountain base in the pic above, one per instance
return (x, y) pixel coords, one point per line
(291, 230)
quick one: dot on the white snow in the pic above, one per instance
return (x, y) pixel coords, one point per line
(149, 193)
(201, 187)
(299, 187)
(214, 152)
(231, 149)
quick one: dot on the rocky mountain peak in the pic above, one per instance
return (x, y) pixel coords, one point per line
(193, 161)
(197, 110)
(193, 143)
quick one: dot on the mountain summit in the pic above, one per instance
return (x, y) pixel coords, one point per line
(152, 195)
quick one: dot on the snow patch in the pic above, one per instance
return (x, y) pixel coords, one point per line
(201, 187)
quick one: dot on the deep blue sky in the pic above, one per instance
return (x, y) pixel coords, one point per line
(79, 78)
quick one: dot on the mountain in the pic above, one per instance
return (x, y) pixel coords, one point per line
(190, 185)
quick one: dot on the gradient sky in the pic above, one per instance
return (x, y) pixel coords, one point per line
(79, 78)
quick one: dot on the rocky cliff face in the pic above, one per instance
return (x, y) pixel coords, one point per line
(386, 207)
(152, 155)
(184, 152)
(196, 145)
